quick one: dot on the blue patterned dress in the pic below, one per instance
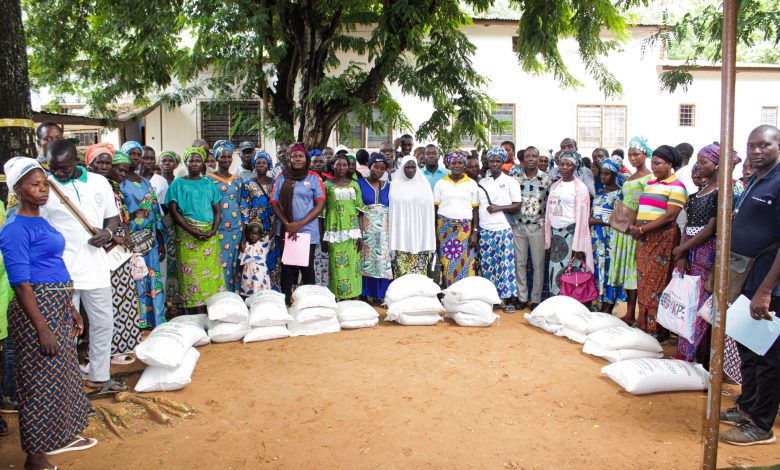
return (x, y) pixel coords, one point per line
(229, 232)
(256, 208)
(376, 263)
(603, 239)
(151, 291)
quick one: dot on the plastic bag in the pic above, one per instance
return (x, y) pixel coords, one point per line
(679, 304)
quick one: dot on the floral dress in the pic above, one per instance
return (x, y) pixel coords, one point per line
(376, 262)
(603, 237)
(254, 273)
(342, 230)
(229, 231)
(256, 208)
(151, 291)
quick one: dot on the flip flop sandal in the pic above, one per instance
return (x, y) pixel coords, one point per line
(80, 443)
(509, 309)
(106, 389)
(122, 359)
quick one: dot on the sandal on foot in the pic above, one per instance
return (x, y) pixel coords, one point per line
(109, 387)
(77, 444)
(122, 359)
(509, 309)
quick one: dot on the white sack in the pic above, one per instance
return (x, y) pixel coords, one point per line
(555, 308)
(224, 332)
(625, 337)
(574, 335)
(411, 285)
(312, 314)
(640, 376)
(265, 333)
(615, 355)
(267, 308)
(200, 320)
(415, 320)
(415, 306)
(587, 322)
(354, 324)
(469, 319)
(227, 307)
(313, 296)
(168, 343)
(474, 307)
(474, 288)
(328, 325)
(355, 310)
(161, 379)
(540, 322)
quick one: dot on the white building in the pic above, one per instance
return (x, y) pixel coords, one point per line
(537, 110)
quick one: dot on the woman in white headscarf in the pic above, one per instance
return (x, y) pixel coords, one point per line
(412, 220)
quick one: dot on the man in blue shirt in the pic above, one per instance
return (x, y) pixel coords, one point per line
(432, 170)
(756, 231)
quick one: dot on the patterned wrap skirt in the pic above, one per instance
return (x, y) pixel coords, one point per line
(344, 266)
(458, 259)
(497, 260)
(654, 267)
(52, 405)
(412, 263)
(127, 319)
(561, 242)
(200, 275)
(172, 288)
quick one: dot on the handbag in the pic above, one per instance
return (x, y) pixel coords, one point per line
(142, 241)
(579, 284)
(740, 267)
(622, 217)
(117, 255)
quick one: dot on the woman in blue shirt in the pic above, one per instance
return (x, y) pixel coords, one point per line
(43, 323)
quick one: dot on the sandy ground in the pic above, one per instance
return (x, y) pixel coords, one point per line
(510, 396)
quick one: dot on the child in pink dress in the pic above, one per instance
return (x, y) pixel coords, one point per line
(254, 276)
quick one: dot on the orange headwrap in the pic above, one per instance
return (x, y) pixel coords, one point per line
(96, 149)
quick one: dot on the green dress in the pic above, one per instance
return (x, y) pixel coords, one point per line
(622, 255)
(342, 230)
(6, 293)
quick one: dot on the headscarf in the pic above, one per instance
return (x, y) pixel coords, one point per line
(221, 145)
(169, 153)
(455, 154)
(290, 177)
(573, 157)
(96, 149)
(131, 145)
(412, 219)
(120, 157)
(376, 157)
(351, 157)
(315, 153)
(669, 154)
(197, 150)
(496, 150)
(712, 153)
(16, 168)
(261, 154)
(639, 142)
(611, 165)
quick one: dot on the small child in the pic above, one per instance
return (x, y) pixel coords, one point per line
(254, 276)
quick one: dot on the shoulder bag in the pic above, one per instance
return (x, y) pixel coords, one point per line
(579, 284)
(509, 217)
(622, 217)
(740, 267)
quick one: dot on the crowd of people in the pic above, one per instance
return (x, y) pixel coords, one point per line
(200, 224)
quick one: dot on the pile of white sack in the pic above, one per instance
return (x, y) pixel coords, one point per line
(313, 312)
(412, 300)
(169, 354)
(636, 356)
(469, 302)
(356, 314)
(228, 317)
(268, 316)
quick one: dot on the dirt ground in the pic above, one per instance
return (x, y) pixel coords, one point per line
(510, 396)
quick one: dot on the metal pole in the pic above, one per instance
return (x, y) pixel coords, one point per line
(725, 198)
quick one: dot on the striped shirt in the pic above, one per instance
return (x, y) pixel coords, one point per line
(658, 196)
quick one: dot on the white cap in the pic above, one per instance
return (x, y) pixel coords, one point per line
(16, 168)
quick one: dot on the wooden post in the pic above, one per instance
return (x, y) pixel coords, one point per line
(725, 201)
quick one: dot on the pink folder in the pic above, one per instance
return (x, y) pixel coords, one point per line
(296, 252)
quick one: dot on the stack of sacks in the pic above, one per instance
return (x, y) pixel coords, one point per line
(547, 314)
(469, 302)
(228, 317)
(620, 343)
(170, 356)
(356, 314)
(640, 376)
(313, 312)
(412, 300)
(268, 316)
(201, 320)
(579, 324)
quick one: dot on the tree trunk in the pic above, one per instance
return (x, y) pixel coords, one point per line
(17, 133)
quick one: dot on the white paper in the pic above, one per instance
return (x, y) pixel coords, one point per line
(756, 335)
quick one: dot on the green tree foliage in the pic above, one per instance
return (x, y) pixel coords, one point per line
(291, 55)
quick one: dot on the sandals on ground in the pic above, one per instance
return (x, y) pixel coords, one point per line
(109, 387)
(77, 444)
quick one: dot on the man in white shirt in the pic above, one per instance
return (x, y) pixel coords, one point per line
(146, 170)
(499, 196)
(84, 255)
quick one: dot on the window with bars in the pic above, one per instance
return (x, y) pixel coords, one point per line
(769, 115)
(687, 116)
(236, 121)
(86, 138)
(601, 126)
(504, 113)
(361, 136)
(374, 140)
